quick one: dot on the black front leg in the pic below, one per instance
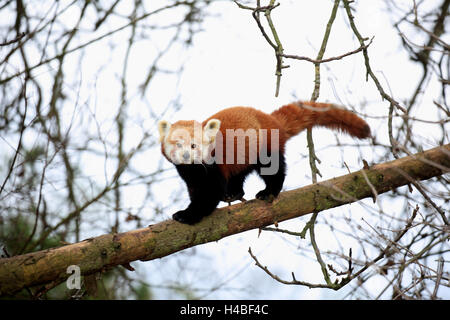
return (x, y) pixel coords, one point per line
(186, 216)
(274, 180)
(203, 203)
(234, 189)
(235, 185)
(206, 188)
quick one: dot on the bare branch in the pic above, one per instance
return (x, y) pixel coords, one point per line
(168, 237)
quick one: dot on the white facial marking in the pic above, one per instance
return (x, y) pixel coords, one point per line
(181, 148)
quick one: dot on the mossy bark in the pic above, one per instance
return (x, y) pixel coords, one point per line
(162, 239)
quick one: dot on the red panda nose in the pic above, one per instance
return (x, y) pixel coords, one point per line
(186, 155)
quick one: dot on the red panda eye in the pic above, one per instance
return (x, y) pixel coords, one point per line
(193, 146)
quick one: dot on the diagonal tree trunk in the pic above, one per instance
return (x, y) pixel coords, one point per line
(162, 239)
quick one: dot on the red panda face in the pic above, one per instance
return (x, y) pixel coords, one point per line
(186, 142)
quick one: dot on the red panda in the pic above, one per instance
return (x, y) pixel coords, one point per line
(215, 156)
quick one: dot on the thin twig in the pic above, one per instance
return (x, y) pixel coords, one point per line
(22, 129)
(16, 39)
(292, 233)
(366, 58)
(439, 272)
(275, 277)
(319, 61)
(276, 42)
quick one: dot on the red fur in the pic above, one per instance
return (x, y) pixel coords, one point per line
(299, 116)
(290, 120)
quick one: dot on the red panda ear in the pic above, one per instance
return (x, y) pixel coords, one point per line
(163, 128)
(210, 130)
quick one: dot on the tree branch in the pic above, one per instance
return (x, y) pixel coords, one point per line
(162, 239)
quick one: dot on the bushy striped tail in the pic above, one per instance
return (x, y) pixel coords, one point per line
(296, 117)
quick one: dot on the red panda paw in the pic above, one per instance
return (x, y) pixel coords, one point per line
(186, 217)
(233, 197)
(265, 195)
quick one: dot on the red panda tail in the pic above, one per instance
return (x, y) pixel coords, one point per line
(296, 117)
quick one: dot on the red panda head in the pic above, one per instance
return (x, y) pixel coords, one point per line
(187, 142)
